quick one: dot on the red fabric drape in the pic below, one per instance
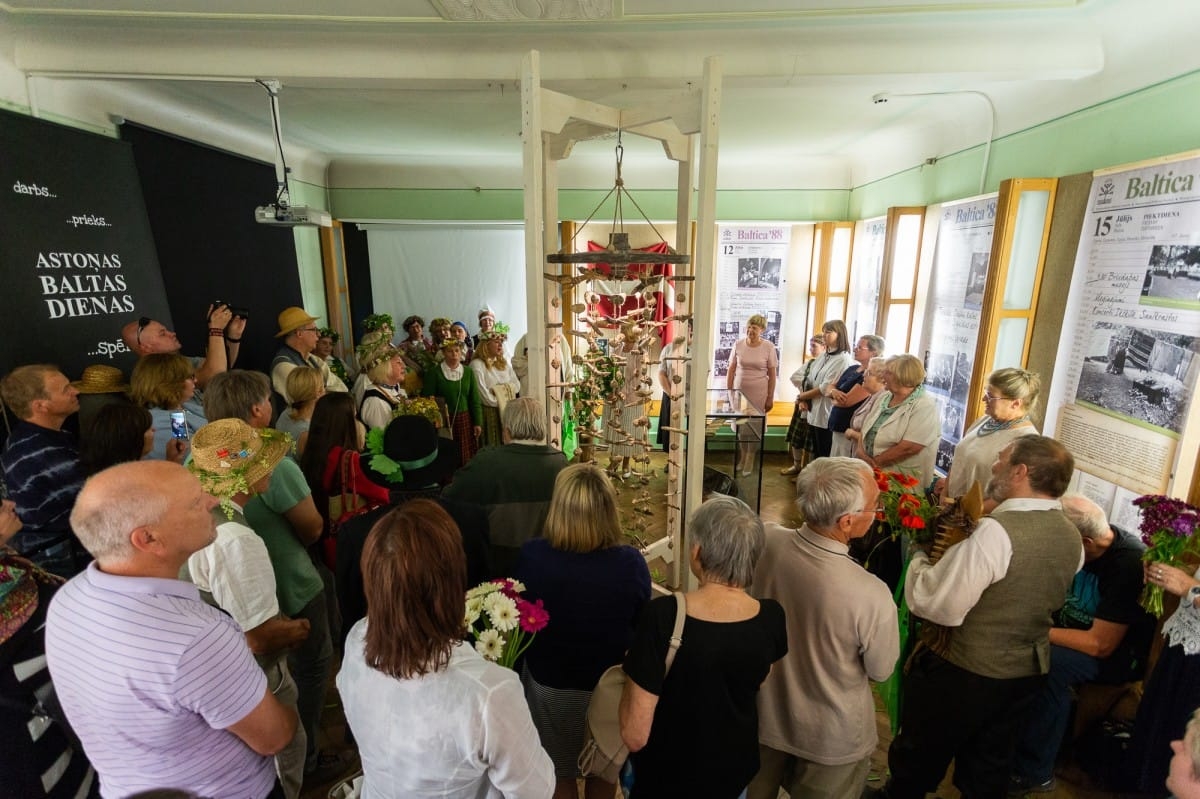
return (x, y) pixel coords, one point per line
(635, 272)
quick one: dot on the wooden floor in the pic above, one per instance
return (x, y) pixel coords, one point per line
(776, 505)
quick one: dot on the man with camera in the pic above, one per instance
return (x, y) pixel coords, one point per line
(146, 336)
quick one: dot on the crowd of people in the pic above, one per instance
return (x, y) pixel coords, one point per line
(217, 542)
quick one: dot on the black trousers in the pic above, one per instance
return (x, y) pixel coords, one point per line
(954, 714)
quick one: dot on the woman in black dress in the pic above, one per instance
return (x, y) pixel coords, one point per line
(703, 711)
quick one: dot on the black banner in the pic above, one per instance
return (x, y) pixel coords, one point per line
(200, 202)
(76, 253)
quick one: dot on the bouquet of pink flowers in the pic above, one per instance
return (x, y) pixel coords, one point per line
(1169, 528)
(501, 622)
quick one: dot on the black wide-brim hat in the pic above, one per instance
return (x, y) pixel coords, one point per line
(424, 457)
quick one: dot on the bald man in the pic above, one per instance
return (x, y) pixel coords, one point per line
(133, 649)
(146, 336)
(1101, 634)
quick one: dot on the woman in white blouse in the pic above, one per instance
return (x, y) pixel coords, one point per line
(824, 380)
(901, 431)
(430, 715)
(497, 383)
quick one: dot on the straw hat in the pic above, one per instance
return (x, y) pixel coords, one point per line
(374, 349)
(100, 378)
(293, 318)
(229, 456)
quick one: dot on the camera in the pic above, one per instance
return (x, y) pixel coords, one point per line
(238, 312)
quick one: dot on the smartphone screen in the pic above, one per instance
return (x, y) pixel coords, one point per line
(179, 427)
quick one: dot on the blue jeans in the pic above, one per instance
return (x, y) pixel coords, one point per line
(1037, 748)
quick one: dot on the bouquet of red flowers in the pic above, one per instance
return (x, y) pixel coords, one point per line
(1169, 529)
(905, 507)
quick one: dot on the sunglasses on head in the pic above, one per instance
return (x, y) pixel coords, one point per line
(142, 323)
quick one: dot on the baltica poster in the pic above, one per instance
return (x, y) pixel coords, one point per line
(751, 277)
(1129, 349)
(960, 266)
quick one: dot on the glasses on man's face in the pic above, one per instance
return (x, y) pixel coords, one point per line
(309, 329)
(142, 324)
(875, 511)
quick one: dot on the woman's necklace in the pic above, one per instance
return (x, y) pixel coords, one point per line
(990, 425)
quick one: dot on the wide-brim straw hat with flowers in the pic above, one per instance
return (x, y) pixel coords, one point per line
(100, 378)
(374, 349)
(494, 333)
(229, 456)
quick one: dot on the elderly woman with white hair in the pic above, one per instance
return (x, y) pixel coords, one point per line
(703, 710)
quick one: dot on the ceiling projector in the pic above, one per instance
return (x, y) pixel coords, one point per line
(292, 216)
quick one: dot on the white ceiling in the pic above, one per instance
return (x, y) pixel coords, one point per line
(388, 93)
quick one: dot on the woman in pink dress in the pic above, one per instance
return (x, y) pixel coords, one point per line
(752, 369)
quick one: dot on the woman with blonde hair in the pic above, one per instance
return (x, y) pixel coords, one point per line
(162, 383)
(384, 367)
(408, 668)
(305, 385)
(901, 431)
(1008, 396)
(496, 381)
(582, 555)
(753, 365)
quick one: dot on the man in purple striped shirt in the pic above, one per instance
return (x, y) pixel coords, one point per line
(160, 687)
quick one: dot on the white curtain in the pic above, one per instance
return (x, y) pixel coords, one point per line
(451, 271)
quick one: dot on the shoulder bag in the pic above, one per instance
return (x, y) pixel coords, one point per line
(604, 753)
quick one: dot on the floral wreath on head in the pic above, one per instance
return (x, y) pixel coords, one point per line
(329, 333)
(499, 330)
(379, 321)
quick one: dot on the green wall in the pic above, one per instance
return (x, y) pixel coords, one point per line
(507, 204)
(1163, 119)
(1159, 120)
(308, 247)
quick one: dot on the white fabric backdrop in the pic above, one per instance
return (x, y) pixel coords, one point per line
(451, 271)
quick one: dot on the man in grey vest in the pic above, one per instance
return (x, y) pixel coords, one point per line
(995, 592)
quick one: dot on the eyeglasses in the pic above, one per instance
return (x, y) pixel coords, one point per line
(309, 330)
(875, 511)
(142, 323)
(992, 397)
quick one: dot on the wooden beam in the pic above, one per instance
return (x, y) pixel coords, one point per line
(533, 178)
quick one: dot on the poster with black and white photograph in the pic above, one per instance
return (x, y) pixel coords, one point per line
(1172, 277)
(960, 263)
(1123, 395)
(870, 236)
(751, 278)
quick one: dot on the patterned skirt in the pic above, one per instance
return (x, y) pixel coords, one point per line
(560, 715)
(799, 436)
(493, 430)
(464, 436)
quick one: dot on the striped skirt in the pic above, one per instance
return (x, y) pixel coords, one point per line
(560, 716)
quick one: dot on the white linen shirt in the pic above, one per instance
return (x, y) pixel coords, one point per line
(236, 569)
(487, 379)
(460, 733)
(824, 375)
(945, 593)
